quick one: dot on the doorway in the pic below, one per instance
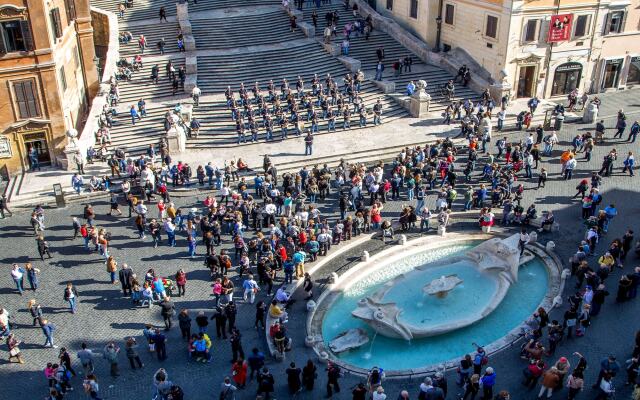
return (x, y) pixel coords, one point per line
(526, 81)
(566, 78)
(634, 71)
(39, 142)
(612, 69)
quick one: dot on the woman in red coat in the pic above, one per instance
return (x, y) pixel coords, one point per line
(239, 372)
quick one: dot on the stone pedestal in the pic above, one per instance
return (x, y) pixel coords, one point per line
(182, 11)
(190, 83)
(186, 113)
(385, 86)
(365, 256)
(191, 65)
(66, 163)
(499, 90)
(332, 48)
(185, 27)
(189, 43)
(590, 114)
(403, 240)
(176, 140)
(308, 29)
(351, 64)
(419, 104)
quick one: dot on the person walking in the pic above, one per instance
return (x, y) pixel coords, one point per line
(293, 379)
(17, 274)
(125, 275)
(86, 359)
(167, 311)
(308, 144)
(266, 384)
(333, 375)
(110, 353)
(227, 390)
(132, 353)
(48, 329)
(71, 296)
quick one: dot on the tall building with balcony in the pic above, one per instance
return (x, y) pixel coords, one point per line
(594, 45)
(47, 78)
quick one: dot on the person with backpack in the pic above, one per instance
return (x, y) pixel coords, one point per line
(227, 390)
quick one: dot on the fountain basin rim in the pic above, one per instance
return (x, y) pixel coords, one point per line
(314, 319)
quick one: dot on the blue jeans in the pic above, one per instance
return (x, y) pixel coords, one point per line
(171, 237)
(308, 150)
(467, 205)
(410, 194)
(72, 304)
(112, 275)
(419, 206)
(19, 285)
(288, 277)
(376, 120)
(78, 188)
(378, 76)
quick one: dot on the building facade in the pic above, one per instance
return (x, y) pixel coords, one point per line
(594, 44)
(47, 78)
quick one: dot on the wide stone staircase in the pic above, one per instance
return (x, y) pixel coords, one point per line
(238, 31)
(246, 42)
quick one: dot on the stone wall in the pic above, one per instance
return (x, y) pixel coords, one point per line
(105, 34)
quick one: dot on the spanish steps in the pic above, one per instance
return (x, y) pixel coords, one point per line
(246, 42)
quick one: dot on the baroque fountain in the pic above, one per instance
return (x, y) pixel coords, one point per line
(422, 304)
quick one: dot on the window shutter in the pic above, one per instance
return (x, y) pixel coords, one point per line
(544, 30)
(57, 24)
(623, 21)
(71, 10)
(32, 101)
(607, 24)
(21, 100)
(26, 35)
(3, 49)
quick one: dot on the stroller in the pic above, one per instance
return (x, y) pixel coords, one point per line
(169, 286)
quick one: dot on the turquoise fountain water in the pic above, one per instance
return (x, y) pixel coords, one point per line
(419, 308)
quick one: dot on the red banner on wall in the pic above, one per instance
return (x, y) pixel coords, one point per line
(560, 28)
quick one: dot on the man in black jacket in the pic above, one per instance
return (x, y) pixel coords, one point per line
(167, 311)
(125, 275)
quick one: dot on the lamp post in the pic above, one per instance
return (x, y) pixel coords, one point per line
(438, 34)
(96, 61)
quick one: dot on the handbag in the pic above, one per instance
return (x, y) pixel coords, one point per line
(14, 352)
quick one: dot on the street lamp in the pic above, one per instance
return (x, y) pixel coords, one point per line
(438, 34)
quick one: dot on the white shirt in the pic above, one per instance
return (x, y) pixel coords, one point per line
(270, 208)
(196, 91)
(17, 274)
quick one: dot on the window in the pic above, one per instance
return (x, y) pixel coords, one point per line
(16, 36)
(531, 30)
(390, 5)
(582, 26)
(449, 11)
(26, 99)
(56, 24)
(70, 7)
(413, 11)
(614, 22)
(492, 27)
(63, 78)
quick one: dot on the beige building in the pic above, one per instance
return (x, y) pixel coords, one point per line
(509, 39)
(47, 78)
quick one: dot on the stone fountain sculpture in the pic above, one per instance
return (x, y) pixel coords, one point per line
(497, 257)
(442, 286)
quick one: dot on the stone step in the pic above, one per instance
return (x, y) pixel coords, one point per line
(140, 84)
(243, 31)
(153, 34)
